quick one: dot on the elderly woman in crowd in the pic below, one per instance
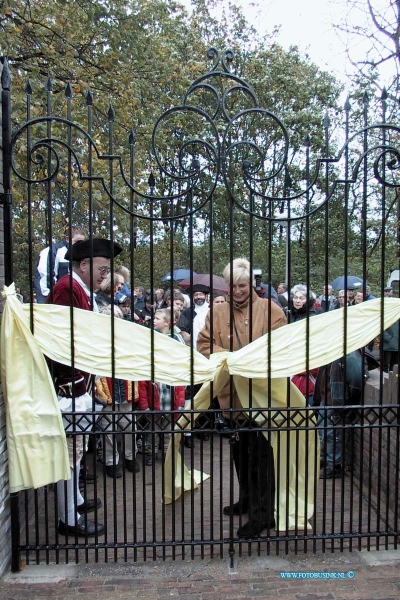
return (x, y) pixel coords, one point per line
(300, 307)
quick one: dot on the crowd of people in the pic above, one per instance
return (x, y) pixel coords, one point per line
(187, 319)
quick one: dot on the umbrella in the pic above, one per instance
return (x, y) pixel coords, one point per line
(349, 281)
(214, 282)
(177, 275)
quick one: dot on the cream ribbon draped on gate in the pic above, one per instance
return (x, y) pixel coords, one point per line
(36, 442)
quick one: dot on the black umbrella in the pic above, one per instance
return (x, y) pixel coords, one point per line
(347, 281)
(205, 279)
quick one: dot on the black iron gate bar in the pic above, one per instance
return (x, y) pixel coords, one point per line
(311, 536)
(257, 190)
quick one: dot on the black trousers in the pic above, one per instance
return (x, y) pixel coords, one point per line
(254, 463)
(389, 360)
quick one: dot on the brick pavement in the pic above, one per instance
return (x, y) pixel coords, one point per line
(376, 577)
(342, 506)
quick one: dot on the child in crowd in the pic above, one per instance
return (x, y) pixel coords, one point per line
(176, 333)
(124, 303)
(160, 396)
(123, 393)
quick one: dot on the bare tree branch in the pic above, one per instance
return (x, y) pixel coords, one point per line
(379, 34)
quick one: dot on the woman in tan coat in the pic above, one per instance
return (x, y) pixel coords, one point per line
(242, 319)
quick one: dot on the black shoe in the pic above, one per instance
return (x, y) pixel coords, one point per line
(149, 460)
(253, 528)
(132, 466)
(331, 472)
(236, 509)
(114, 471)
(89, 505)
(82, 527)
(86, 477)
(188, 441)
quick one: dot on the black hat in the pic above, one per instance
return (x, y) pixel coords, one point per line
(92, 248)
(388, 289)
(200, 288)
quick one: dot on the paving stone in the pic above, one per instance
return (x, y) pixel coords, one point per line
(256, 568)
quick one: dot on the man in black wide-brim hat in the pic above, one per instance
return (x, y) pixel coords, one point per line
(90, 264)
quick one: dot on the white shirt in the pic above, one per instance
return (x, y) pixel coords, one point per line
(86, 290)
(199, 321)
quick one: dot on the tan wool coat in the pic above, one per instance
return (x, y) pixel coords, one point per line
(227, 336)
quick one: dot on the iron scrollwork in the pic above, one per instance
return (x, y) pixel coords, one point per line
(219, 136)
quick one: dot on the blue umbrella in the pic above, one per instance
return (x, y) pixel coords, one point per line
(178, 275)
(350, 281)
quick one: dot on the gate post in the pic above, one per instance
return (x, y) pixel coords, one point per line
(6, 277)
(5, 197)
(5, 522)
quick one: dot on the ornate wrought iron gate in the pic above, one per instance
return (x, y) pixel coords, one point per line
(222, 182)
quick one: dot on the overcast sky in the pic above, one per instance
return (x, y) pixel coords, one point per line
(310, 25)
(305, 23)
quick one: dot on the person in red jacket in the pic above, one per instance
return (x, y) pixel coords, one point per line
(157, 396)
(90, 262)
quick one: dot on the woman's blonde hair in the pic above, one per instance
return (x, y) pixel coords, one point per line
(105, 285)
(121, 270)
(239, 269)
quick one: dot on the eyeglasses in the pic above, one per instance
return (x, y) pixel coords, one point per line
(104, 270)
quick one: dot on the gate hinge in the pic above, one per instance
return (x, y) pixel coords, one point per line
(5, 198)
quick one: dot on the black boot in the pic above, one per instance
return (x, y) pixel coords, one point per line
(253, 529)
(238, 508)
(188, 441)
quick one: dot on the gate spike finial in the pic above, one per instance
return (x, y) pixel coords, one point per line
(28, 88)
(365, 98)
(68, 90)
(49, 84)
(347, 105)
(89, 98)
(5, 76)
(307, 141)
(288, 179)
(132, 138)
(151, 180)
(111, 113)
(384, 95)
(327, 120)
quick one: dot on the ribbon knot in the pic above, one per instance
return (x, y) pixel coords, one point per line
(8, 291)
